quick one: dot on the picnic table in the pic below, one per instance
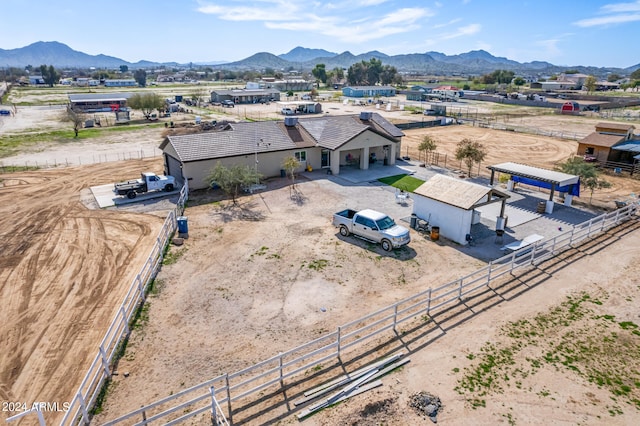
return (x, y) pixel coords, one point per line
(525, 242)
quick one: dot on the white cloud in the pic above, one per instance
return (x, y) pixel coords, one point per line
(611, 14)
(462, 32)
(608, 20)
(446, 24)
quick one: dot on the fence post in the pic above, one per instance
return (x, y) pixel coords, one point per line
(460, 289)
(83, 406)
(395, 316)
(140, 288)
(105, 361)
(280, 368)
(339, 341)
(214, 413)
(124, 319)
(429, 302)
(226, 378)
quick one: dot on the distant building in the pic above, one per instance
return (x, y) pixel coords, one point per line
(368, 91)
(120, 83)
(99, 102)
(245, 96)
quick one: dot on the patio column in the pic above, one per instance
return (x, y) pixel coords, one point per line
(364, 158)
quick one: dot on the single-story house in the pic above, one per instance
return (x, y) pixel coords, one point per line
(98, 102)
(245, 96)
(328, 142)
(368, 91)
(449, 203)
(127, 82)
(610, 142)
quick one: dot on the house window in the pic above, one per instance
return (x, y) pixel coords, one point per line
(301, 156)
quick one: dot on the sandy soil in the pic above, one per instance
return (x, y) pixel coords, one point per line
(64, 270)
(245, 271)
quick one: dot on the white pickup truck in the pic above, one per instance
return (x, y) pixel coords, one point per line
(373, 226)
(147, 182)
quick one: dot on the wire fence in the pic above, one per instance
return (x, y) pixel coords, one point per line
(9, 165)
(242, 390)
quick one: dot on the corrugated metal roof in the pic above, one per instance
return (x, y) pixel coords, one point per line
(543, 175)
(631, 146)
(98, 97)
(452, 191)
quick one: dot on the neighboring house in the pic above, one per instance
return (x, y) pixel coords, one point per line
(611, 142)
(245, 96)
(330, 142)
(98, 102)
(449, 203)
(550, 86)
(368, 91)
(36, 79)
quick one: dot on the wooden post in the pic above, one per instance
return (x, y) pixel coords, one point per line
(229, 398)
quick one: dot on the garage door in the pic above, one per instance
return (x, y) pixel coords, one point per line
(174, 169)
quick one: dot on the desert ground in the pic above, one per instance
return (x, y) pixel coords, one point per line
(241, 288)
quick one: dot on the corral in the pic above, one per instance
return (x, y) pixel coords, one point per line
(273, 274)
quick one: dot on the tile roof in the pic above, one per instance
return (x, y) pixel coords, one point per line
(242, 138)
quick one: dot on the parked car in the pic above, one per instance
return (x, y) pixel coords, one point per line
(373, 226)
(147, 182)
(287, 111)
(228, 103)
(306, 97)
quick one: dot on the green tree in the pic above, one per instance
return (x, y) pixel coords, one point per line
(74, 117)
(427, 145)
(588, 173)
(290, 165)
(590, 83)
(613, 77)
(140, 76)
(519, 81)
(470, 152)
(146, 102)
(388, 74)
(320, 73)
(357, 74)
(232, 180)
(124, 68)
(635, 75)
(49, 75)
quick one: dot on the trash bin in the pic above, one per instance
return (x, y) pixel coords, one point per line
(542, 205)
(435, 233)
(283, 173)
(183, 227)
(414, 220)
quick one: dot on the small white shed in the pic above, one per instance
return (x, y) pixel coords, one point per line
(449, 203)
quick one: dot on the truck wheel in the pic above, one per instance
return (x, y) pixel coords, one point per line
(344, 231)
(131, 195)
(168, 187)
(386, 245)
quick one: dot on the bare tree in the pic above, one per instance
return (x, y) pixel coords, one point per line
(74, 117)
(427, 145)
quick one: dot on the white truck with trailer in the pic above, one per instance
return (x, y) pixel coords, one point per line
(373, 226)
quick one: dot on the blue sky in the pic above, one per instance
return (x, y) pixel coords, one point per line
(568, 32)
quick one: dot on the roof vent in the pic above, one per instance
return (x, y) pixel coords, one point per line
(290, 121)
(365, 115)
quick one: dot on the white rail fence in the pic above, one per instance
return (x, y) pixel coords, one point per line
(46, 162)
(254, 380)
(118, 331)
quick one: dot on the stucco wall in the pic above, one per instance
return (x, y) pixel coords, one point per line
(454, 223)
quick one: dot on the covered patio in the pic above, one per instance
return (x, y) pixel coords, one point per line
(542, 178)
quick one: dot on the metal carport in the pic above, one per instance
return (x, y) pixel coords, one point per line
(547, 178)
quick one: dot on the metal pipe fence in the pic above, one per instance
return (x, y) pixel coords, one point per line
(252, 381)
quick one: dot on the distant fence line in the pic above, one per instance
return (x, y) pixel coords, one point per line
(252, 381)
(96, 158)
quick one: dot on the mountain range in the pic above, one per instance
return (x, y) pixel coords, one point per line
(474, 62)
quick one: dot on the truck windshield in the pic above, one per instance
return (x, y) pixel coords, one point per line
(385, 223)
